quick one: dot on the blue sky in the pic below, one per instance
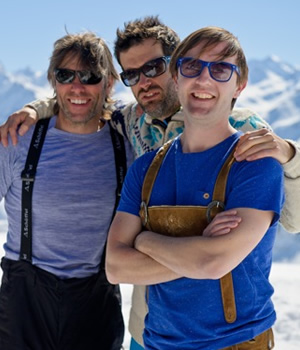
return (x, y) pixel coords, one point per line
(29, 28)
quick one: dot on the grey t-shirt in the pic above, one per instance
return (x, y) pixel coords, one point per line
(73, 200)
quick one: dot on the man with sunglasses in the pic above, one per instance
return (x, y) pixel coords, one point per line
(54, 292)
(143, 49)
(204, 291)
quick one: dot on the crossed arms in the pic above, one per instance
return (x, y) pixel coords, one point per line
(147, 257)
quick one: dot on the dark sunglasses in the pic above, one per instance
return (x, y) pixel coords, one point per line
(150, 69)
(220, 71)
(86, 77)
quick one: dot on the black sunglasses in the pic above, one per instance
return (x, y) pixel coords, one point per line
(150, 69)
(86, 77)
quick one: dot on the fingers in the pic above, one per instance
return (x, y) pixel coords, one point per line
(10, 128)
(256, 145)
(3, 137)
(6, 130)
(263, 143)
(258, 151)
(26, 117)
(222, 223)
(26, 125)
(253, 134)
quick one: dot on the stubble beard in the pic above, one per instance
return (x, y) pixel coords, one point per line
(92, 113)
(166, 106)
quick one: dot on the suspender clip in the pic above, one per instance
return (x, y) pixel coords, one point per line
(27, 175)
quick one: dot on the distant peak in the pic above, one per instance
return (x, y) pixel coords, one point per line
(275, 58)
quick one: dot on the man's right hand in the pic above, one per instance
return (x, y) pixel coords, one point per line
(17, 123)
(222, 223)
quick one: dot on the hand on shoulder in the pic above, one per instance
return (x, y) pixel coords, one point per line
(263, 143)
(17, 123)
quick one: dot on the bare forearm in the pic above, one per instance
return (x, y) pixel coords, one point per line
(131, 266)
(207, 257)
(183, 255)
(125, 264)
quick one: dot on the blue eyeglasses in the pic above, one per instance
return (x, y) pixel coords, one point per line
(150, 69)
(190, 67)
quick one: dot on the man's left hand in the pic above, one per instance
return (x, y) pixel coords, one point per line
(263, 143)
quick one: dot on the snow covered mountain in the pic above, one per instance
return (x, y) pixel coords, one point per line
(274, 92)
(16, 89)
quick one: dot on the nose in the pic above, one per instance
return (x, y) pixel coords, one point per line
(144, 81)
(76, 84)
(204, 76)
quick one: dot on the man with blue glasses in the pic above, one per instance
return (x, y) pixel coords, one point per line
(205, 291)
(143, 49)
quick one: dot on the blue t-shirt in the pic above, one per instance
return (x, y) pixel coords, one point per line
(188, 313)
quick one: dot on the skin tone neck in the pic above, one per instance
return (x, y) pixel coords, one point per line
(80, 106)
(156, 96)
(206, 103)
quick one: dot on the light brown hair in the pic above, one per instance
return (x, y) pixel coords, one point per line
(92, 52)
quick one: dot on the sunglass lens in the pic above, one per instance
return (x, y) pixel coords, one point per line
(154, 68)
(190, 67)
(130, 77)
(221, 71)
(88, 78)
(150, 69)
(64, 76)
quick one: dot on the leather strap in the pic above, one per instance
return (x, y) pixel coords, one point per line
(263, 341)
(153, 171)
(226, 282)
(217, 205)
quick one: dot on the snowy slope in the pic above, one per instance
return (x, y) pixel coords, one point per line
(274, 92)
(19, 88)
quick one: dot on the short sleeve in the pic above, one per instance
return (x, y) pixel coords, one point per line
(257, 184)
(132, 188)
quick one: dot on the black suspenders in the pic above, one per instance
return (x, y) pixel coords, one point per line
(120, 161)
(28, 177)
(121, 169)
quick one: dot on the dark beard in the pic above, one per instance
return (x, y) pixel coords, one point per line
(165, 107)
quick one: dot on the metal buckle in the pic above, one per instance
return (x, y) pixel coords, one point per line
(211, 205)
(27, 176)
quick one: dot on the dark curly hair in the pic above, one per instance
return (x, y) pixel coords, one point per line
(135, 32)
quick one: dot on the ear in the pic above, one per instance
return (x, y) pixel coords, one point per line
(239, 89)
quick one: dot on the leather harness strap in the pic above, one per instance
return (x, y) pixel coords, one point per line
(217, 205)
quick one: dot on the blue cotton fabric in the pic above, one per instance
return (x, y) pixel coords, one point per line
(188, 313)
